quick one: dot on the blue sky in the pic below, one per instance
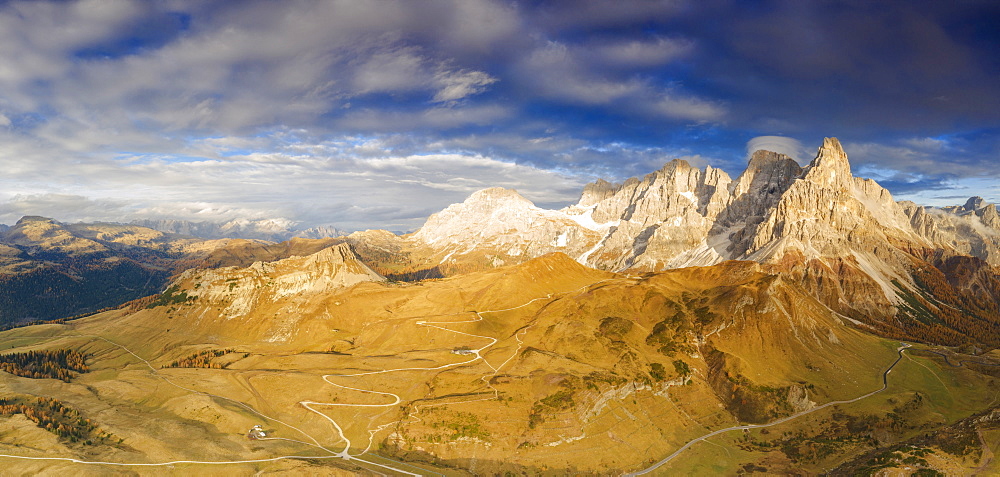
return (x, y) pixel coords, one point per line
(376, 114)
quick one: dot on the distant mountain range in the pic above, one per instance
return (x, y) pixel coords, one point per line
(274, 230)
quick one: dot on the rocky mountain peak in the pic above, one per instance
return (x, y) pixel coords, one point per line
(974, 203)
(274, 229)
(676, 165)
(989, 215)
(596, 191)
(34, 219)
(494, 196)
(486, 213)
(767, 171)
(761, 159)
(830, 168)
(340, 253)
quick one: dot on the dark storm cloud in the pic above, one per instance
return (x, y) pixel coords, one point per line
(861, 67)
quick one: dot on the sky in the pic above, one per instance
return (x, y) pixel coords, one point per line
(376, 114)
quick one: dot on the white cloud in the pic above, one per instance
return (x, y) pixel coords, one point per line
(926, 143)
(456, 85)
(36, 36)
(314, 184)
(575, 14)
(59, 206)
(241, 113)
(481, 25)
(405, 69)
(688, 108)
(923, 156)
(556, 71)
(390, 71)
(441, 117)
(641, 53)
(563, 72)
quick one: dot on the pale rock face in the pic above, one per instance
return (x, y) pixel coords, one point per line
(829, 213)
(238, 291)
(486, 213)
(989, 216)
(754, 195)
(830, 169)
(504, 225)
(596, 192)
(655, 219)
(971, 206)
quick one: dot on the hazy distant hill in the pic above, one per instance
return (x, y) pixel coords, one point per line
(274, 230)
(52, 270)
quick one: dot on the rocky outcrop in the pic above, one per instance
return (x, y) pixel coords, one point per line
(233, 300)
(44, 235)
(682, 216)
(827, 213)
(239, 291)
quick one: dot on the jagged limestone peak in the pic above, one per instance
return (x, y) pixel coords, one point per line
(767, 170)
(830, 168)
(595, 192)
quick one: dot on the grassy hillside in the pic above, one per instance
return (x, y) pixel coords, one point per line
(547, 366)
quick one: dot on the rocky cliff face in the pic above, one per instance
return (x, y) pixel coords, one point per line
(682, 216)
(51, 270)
(654, 220)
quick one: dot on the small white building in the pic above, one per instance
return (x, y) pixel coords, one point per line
(256, 432)
(463, 351)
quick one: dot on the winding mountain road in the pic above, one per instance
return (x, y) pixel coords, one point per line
(885, 385)
(476, 355)
(343, 454)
